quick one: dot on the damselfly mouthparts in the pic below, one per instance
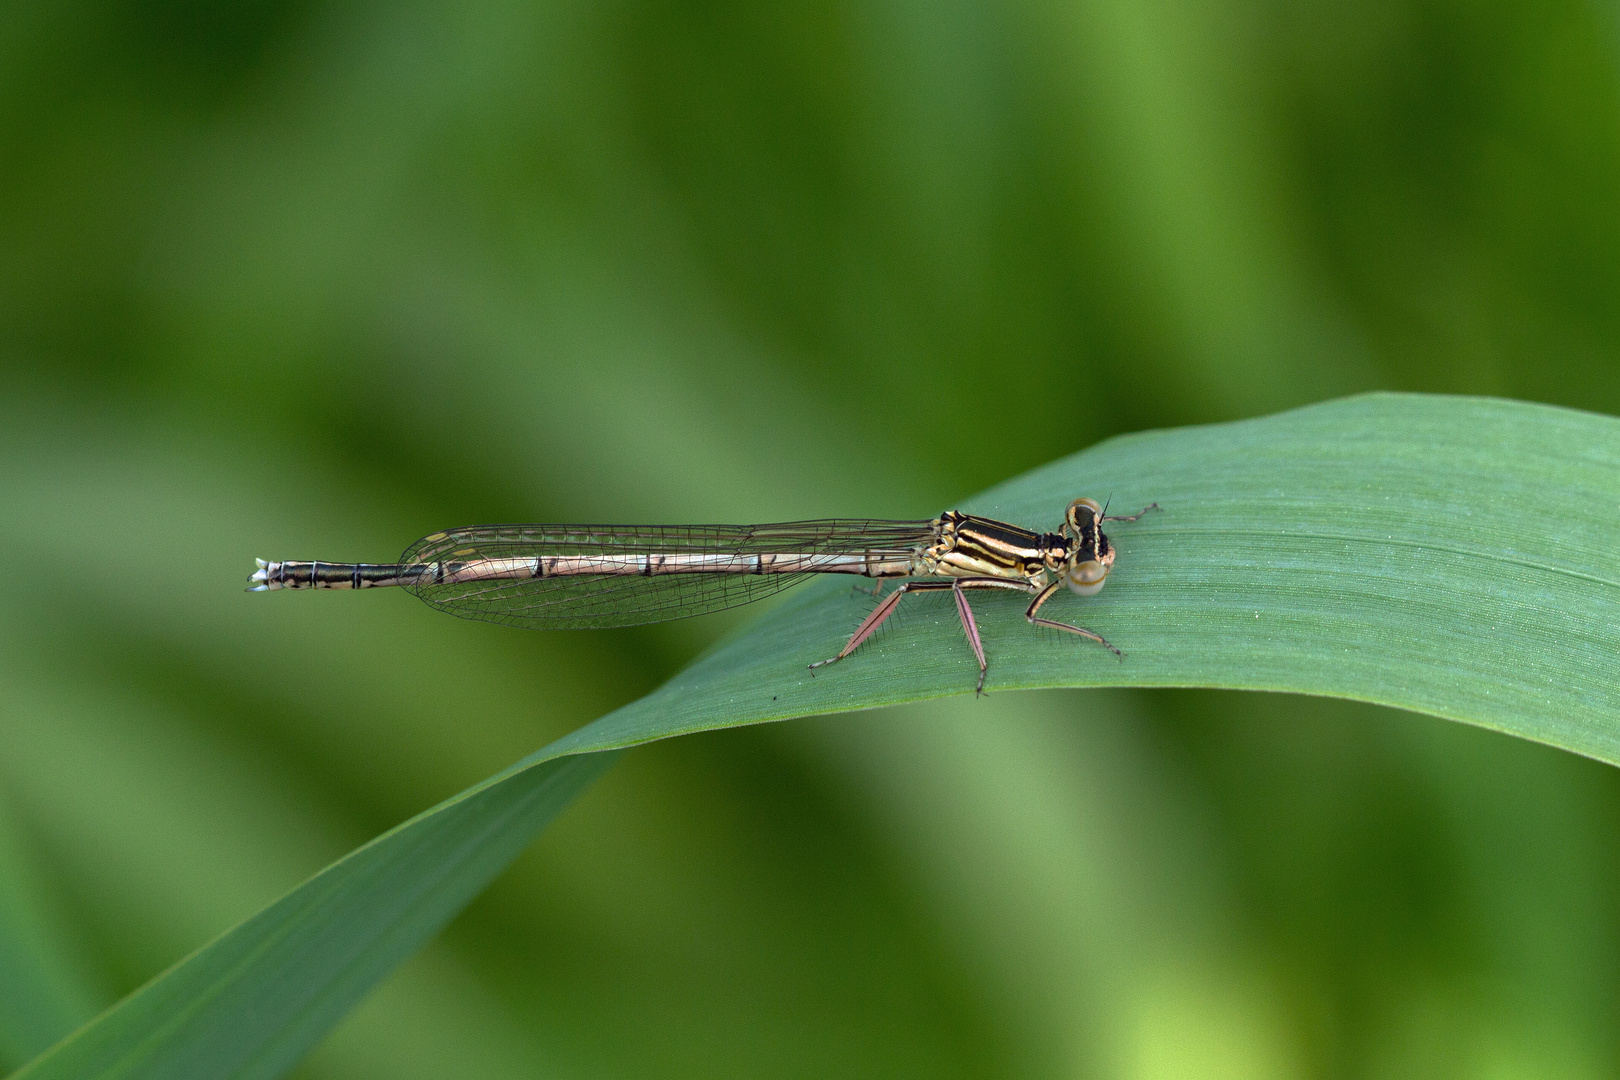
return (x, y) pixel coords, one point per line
(578, 576)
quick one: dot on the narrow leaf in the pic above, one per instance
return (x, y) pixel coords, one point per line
(250, 1003)
(1450, 556)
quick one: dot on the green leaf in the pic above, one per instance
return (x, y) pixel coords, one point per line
(1445, 555)
(1452, 556)
(253, 1001)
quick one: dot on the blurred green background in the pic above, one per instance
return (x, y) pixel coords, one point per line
(297, 280)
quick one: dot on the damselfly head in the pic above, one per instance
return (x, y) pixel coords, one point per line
(1084, 514)
(1088, 576)
(1093, 554)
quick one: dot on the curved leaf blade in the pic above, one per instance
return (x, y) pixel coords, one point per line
(1452, 556)
(253, 1001)
(1445, 555)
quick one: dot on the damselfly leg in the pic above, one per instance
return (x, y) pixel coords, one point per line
(970, 626)
(1045, 595)
(1106, 516)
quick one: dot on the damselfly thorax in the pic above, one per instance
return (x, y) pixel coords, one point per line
(557, 576)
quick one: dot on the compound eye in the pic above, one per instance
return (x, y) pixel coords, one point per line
(1077, 518)
(1087, 578)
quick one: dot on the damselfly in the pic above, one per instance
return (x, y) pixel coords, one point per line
(578, 576)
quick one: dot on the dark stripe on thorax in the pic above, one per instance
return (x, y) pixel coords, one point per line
(998, 542)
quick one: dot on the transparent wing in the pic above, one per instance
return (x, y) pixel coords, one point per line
(598, 600)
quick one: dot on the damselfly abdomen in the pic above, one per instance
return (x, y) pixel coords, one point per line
(580, 576)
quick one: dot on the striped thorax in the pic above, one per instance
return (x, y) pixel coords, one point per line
(969, 546)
